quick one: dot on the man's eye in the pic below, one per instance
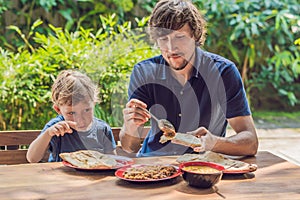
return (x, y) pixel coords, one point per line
(163, 39)
(180, 36)
(87, 110)
(71, 113)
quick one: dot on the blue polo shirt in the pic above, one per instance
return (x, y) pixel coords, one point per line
(99, 138)
(214, 93)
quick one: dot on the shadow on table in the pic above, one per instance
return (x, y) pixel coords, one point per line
(242, 176)
(149, 185)
(265, 159)
(187, 189)
(89, 174)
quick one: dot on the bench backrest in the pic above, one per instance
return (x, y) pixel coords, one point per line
(14, 144)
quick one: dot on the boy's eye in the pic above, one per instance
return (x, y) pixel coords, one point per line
(71, 113)
(87, 110)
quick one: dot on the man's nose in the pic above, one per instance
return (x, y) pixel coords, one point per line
(170, 44)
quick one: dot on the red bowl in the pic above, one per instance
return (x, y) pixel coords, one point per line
(201, 180)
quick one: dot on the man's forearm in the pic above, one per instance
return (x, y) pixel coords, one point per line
(130, 140)
(240, 144)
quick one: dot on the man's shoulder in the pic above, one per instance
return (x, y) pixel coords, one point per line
(217, 58)
(216, 61)
(149, 69)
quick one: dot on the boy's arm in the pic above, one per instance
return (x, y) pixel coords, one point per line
(38, 147)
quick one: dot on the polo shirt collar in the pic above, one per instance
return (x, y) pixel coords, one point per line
(198, 57)
(164, 69)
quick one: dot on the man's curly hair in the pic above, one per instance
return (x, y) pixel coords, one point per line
(171, 15)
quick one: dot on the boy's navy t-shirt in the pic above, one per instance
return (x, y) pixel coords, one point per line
(99, 138)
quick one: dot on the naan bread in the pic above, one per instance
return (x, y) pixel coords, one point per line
(88, 159)
(183, 139)
(209, 156)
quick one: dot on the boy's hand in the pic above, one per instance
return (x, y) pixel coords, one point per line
(61, 128)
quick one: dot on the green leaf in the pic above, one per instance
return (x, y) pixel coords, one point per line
(67, 14)
(15, 28)
(254, 29)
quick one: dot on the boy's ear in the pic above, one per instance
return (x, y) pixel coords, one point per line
(56, 108)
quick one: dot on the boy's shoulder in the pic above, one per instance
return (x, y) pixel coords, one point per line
(53, 121)
(58, 118)
(102, 123)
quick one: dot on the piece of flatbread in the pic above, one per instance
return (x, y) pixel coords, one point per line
(228, 163)
(88, 159)
(183, 139)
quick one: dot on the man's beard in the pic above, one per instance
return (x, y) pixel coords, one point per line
(184, 64)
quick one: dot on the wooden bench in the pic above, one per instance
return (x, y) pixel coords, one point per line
(14, 145)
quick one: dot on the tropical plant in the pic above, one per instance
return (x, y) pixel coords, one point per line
(107, 55)
(69, 14)
(259, 37)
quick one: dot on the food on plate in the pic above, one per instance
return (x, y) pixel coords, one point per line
(201, 174)
(201, 169)
(149, 172)
(181, 138)
(228, 163)
(88, 159)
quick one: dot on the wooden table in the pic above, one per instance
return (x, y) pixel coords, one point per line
(275, 178)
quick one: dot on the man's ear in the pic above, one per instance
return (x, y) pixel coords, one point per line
(56, 108)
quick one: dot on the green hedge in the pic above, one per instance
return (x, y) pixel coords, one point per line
(106, 55)
(259, 36)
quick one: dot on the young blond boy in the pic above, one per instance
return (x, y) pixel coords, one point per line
(75, 128)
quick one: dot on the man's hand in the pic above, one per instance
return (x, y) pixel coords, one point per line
(134, 114)
(135, 117)
(207, 138)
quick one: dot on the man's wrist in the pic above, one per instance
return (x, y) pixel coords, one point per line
(130, 139)
(130, 130)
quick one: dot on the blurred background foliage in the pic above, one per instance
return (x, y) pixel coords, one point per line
(104, 39)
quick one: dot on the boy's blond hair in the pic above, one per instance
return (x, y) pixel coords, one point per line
(72, 87)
